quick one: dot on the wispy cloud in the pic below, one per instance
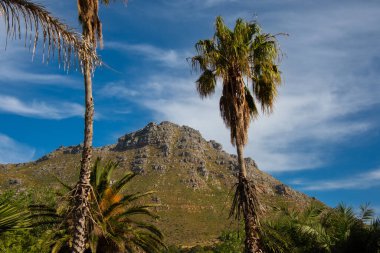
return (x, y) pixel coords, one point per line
(290, 139)
(17, 69)
(117, 90)
(360, 181)
(210, 3)
(21, 77)
(40, 109)
(12, 151)
(329, 81)
(168, 57)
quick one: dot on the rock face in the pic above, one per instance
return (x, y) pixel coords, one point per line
(186, 147)
(192, 177)
(153, 134)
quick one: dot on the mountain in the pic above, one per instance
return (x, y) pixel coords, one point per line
(193, 178)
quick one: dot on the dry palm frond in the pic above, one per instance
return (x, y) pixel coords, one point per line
(236, 109)
(57, 36)
(245, 200)
(88, 16)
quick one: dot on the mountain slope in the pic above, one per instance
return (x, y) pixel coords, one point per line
(193, 178)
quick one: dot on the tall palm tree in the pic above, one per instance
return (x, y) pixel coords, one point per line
(24, 19)
(92, 33)
(58, 37)
(240, 57)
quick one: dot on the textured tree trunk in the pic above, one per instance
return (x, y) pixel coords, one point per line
(251, 224)
(83, 187)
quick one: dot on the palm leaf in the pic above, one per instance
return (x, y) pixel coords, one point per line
(366, 213)
(206, 83)
(56, 36)
(120, 184)
(12, 218)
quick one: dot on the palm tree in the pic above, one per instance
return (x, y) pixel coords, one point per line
(239, 57)
(22, 16)
(116, 223)
(121, 231)
(293, 230)
(58, 37)
(92, 33)
(353, 233)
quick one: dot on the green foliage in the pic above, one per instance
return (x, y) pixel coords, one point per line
(12, 218)
(21, 241)
(321, 230)
(231, 242)
(315, 229)
(22, 236)
(118, 220)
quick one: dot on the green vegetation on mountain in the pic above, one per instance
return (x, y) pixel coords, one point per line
(192, 180)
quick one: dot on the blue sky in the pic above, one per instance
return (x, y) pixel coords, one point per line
(323, 137)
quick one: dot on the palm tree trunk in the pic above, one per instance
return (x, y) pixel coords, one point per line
(83, 187)
(240, 154)
(251, 224)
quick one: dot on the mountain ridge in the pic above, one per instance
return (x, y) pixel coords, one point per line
(192, 177)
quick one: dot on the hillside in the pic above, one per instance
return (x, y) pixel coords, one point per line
(192, 178)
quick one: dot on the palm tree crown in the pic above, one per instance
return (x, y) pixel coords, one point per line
(116, 216)
(232, 56)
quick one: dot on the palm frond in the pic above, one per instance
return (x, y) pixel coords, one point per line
(145, 210)
(274, 238)
(120, 184)
(56, 36)
(245, 200)
(113, 227)
(103, 180)
(222, 33)
(366, 213)
(61, 243)
(251, 103)
(266, 76)
(11, 218)
(206, 83)
(151, 228)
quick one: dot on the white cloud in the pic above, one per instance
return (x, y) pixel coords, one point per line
(361, 181)
(17, 63)
(16, 75)
(168, 57)
(12, 151)
(329, 82)
(291, 139)
(118, 90)
(38, 109)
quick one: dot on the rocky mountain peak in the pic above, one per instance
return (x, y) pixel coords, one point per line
(192, 177)
(151, 134)
(159, 135)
